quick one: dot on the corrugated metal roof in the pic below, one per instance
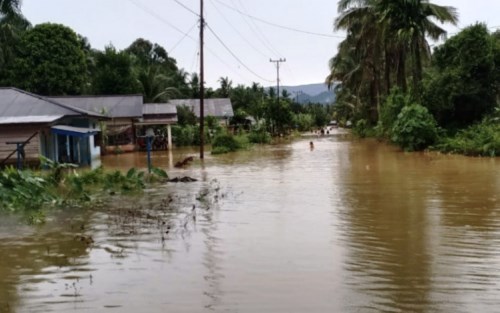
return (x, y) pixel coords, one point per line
(15, 103)
(159, 108)
(29, 119)
(218, 107)
(122, 106)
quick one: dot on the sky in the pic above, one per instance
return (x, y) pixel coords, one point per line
(241, 36)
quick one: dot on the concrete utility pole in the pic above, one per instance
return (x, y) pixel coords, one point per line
(278, 74)
(202, 87)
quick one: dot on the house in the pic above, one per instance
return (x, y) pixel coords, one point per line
(155, 114)
(123, 110)
(41, 126)
(221, 108)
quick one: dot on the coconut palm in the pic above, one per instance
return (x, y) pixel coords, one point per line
(392, 34)
(12, 24)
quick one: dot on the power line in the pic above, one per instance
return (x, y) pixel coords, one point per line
(235, 56)
(186, 34)
(256, 29)
(187, 8)
(236, 30)
(182, 39)
(158, 17)
(277, 25)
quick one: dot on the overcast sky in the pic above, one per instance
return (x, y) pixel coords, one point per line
(253, 42)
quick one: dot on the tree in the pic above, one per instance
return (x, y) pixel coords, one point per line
(50, 61)
(155, 71)
(225, 87)
(186, 116)
(464, 79)
(383, 37)
(113, 73)
(12, 25)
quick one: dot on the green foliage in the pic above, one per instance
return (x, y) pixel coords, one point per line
(187, 135)
(414, 129)
(23, 190)
(362, 128)
(481, 139)
(113, 73)
(462, 84)
(212, 122)
(390, 110)
(56, 169)
(226, 142)
(50, 61)
(279, 115)
(27, 191)
(260, 136)
(186, 116)
(303, 122)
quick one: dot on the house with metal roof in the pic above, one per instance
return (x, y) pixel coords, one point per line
(32, 126)
(220, 108)
(157, 114)
(123, 112)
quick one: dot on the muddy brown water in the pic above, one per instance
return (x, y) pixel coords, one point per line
(350, 226)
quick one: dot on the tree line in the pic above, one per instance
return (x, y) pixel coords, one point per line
(393, 86)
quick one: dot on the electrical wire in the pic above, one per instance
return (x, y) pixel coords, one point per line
(277, 25)
(237, 32)
(186, 35)
(158, 17)
(183, 37)
(235, 56)
(186, 7)
(256, 29)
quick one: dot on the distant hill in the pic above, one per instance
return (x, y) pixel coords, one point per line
(314, 93)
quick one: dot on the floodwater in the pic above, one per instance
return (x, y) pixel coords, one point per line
(349, 226)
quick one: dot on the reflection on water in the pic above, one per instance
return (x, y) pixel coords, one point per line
(349, 226)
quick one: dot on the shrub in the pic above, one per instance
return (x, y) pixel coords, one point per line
(259, 136)
(482, 139)
(415, 128)
(224, 143)
(363, 129)
(185, 135)
(389, 111)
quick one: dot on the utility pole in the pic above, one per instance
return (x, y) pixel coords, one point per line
(202, 87)
(297, 94)
(278, 74)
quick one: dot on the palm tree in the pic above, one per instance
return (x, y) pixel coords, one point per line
(225, 87)
(10, 7)
(12, 24)
(357, 64)
(392, 33)
(409, 23)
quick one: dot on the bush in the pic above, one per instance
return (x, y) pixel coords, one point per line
(304, 122)
(415, 128)
(482, 139)
(185, 135)
(259, 136)
(224, 143)
(389, 111)
(363, 129)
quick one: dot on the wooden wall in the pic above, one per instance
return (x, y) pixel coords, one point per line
(19, 133)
